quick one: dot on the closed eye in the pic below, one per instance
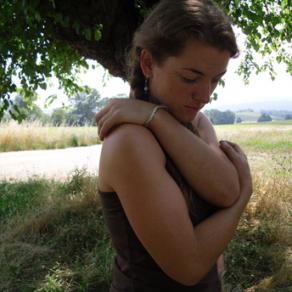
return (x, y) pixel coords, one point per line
(189, 80)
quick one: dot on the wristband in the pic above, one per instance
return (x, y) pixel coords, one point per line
(151, 116)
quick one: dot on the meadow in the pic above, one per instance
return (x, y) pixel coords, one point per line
(52, 235)
(35, 136)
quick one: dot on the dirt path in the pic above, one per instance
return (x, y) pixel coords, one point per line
(57, 164)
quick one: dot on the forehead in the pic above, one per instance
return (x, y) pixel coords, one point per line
(200, 56)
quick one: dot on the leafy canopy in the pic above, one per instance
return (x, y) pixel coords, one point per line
(31, 53)
(41, 39)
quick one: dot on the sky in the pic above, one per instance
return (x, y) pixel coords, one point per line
(261, 89)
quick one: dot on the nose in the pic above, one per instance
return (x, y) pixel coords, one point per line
(202, 93)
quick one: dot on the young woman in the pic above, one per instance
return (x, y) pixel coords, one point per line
(172, 195)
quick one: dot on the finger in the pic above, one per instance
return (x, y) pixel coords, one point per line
(238, 160)
(230, 152)
(108, 123)
(236, 147)
(111, 105)
(102, 120)
(101, 114)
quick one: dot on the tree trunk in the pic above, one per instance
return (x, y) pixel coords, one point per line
(118, 18)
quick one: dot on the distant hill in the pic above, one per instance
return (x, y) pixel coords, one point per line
(281, 105)
(247, 116)
(251, 116)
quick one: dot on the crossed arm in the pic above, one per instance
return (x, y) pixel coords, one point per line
(132, 160)
(201, 161)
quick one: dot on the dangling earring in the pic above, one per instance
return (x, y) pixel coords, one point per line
(146, 89)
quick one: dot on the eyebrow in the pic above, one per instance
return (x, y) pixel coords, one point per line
(201, 73)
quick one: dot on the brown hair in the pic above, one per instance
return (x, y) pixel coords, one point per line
(167, 28)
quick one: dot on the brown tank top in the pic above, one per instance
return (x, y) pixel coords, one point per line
(134, 270)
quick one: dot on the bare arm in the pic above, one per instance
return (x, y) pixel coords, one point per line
(201, 162)
(133, 160)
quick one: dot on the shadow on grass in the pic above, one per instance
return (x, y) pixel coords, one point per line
(53, 238)
(59, 243)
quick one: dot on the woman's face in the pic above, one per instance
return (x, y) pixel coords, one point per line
(186, 82)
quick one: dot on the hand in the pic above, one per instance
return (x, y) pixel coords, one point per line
(239, 160)
(119, 111)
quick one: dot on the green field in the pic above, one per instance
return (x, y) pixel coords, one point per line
(253, 116)
(52, 235)
(268, 136)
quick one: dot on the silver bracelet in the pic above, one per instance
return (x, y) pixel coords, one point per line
(150, 118)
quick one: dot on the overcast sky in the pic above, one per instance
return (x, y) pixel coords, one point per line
(260, 88)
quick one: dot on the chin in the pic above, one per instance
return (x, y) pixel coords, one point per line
(189, 118)
(185, 117)
(186, 120)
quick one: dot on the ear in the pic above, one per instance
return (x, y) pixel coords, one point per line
(146, 63)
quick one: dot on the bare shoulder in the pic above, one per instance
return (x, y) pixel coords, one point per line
(132, 138)
(127, 146)
(200, 120)
(205, 129)
(196, 120)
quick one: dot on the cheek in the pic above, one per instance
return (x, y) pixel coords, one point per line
(166, 89)
(179, 89)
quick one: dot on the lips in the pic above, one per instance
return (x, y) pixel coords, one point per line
(195, 108)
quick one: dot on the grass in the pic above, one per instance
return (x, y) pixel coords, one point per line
(53, 239)
(260, 256)
(52, 234)
(33, 135)
(259, 137)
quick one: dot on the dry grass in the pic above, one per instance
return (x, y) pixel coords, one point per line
(59, 242)
(52, 237)
(260, 256)
(33, 135)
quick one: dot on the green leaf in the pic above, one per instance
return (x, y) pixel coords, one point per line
(43, 86)
(87, 34)
(284, 4)
(97, 34)
(76, 27)
(6, 104)
(50, 99)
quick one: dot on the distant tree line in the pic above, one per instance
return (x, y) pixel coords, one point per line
(80, 111)
(83, 106)
(220, 118)
(264, 117)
